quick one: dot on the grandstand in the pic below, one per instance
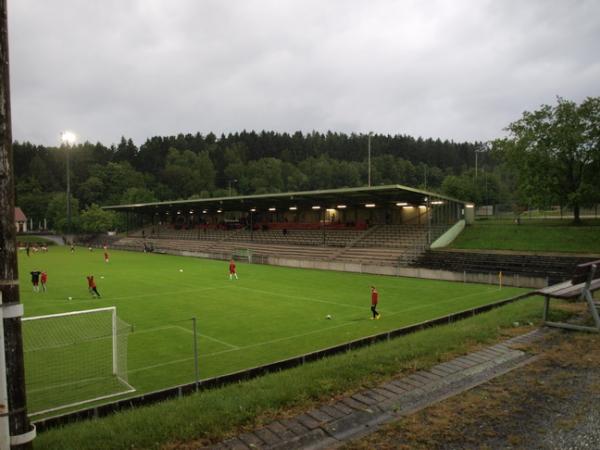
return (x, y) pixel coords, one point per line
(384, 225)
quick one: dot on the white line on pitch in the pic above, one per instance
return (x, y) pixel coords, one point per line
(210, 338)
(310, 299)
(129, 297)
(179, 327)
(273, 341)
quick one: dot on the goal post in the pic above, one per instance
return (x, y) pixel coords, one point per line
(74, 358)
(242, 254)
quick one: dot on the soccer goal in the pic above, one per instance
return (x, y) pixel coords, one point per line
(242, 254)
(74, 358)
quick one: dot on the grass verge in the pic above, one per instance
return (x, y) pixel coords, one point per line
(542, 236)
(210, 416)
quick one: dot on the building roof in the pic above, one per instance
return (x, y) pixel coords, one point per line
(20, 215)
(326, 198)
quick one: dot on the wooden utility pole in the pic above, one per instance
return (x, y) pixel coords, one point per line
(20, 429)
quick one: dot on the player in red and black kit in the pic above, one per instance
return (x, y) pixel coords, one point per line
(232, 271)
(35, 280)
(374, 302)
(92, 286)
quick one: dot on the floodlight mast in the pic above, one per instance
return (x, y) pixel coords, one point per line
(369, 161)
(19, 434)
(68, 138)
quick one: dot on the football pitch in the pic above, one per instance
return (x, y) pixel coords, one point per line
(270, 313)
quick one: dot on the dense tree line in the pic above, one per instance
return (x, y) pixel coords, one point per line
(549, 157)
(194, 165)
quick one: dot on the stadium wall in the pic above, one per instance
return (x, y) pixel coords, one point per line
(514, 280)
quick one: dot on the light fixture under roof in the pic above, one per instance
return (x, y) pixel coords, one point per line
(369, 205)
(252, 209)
(437, 202)
(293, 208)
(341, 206)
(219, 210)
(316, 207)
(272, 209)
(204, 211)
(401, 204)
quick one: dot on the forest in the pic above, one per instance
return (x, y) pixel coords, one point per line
(550, 156)
(190, 166)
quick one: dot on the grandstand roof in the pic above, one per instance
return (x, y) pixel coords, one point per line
(326, 198)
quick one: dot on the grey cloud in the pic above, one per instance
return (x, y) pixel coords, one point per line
(458, 70)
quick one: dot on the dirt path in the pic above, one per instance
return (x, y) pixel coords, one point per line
(552, 403)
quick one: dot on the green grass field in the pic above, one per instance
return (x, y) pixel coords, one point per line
(534, 235)
(269, 314)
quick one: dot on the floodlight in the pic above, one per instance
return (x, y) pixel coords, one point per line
(68, 137)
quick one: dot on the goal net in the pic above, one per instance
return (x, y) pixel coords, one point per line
(74, 358)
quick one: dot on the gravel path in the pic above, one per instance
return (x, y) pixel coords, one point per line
(552, 403)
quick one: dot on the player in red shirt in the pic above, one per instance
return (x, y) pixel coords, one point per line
(232, 271)
(44, 280)
(374, 302)
(92, 286)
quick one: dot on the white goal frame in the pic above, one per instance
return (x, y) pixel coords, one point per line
(113, 310)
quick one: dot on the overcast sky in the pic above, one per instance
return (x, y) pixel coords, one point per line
(453, 69)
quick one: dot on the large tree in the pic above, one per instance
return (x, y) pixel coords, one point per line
(556, 153)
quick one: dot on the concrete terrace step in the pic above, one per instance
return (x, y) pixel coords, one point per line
(334, 423)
